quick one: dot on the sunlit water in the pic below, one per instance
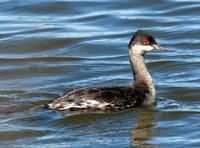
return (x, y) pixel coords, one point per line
(49, 47)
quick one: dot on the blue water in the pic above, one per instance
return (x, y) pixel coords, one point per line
(50, 47)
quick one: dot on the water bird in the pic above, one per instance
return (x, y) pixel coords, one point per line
(141, 93)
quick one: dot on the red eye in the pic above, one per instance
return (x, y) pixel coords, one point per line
(146, 42)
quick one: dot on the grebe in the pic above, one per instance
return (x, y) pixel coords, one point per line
(141, 93)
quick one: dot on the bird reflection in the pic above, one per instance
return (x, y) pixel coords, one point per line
(144, 128)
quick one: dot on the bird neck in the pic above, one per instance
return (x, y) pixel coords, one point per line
(142, 79)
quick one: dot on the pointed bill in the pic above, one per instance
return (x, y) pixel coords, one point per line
(158, 47)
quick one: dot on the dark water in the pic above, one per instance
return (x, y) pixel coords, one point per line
(49, 47)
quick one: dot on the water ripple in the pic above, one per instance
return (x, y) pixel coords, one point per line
(51, 47)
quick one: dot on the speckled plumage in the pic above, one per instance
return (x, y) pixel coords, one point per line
(119, 97)
(141, 93)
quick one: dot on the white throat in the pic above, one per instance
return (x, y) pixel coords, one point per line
(140, 71)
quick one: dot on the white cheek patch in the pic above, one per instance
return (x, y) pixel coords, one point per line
(140, 49)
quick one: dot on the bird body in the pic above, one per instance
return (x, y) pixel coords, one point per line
(140, 93)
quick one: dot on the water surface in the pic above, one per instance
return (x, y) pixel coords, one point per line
(50, 47)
